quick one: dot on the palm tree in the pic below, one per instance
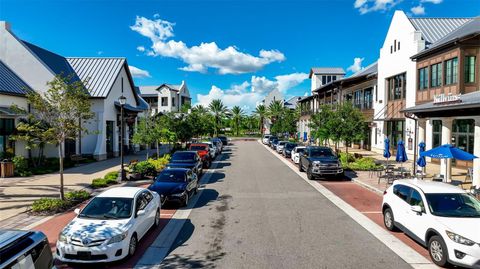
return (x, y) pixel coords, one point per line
(261, 112)
(219, 110)
(200, 109)
(237, 115)
(275, 112)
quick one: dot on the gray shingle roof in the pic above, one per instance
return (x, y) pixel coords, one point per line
(328, 70)
(433, 29)
(10, 83)
(148, 91)
(100, 73)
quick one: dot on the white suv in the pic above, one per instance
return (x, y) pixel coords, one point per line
(441, 217)
(296, 154)
(265, 139)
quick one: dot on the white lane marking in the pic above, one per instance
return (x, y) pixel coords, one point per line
(158, 250)
(371, 212)
(408, 254)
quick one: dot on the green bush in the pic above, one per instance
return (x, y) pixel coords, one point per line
(145, 168)
(77, 195)
(362, 164)
(344, 157)
(53, 205)
(160, 163)
(21, 166)
(111, 175)
(99, 183)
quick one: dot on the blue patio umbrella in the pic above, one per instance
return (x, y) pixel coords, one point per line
(386, 149)
(448, 151)
(401, 154)
(421, 161)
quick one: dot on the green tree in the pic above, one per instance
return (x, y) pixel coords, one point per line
(261, 112)
(145, 132)
(237, 115)
(322, 123)
(63, 107)
(352, 123)
(219, 111)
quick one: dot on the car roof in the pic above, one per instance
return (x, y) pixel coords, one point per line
(8, 236)
(185, 151)
(431, 186)
(318, 147)
(121, 192)
(199, 144)
(176, 169)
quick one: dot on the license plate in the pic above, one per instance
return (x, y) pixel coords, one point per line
(84, 254)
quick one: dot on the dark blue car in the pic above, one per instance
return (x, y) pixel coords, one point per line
(186, 159)
(175, 184)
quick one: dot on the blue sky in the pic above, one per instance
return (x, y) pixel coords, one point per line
(233, 50)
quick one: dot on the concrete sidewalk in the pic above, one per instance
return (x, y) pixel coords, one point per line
(17, 194)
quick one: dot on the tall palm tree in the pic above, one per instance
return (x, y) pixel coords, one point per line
(261, 112)
(200, 109)
(237, 115)
(275, 112)
(219, 110)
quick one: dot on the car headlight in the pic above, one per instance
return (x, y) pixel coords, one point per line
(460, 239)
(62, 238)
(118, 238)
(316, 162)
(180, 194)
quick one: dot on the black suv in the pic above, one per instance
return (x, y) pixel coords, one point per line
(319, 161)
(186, 159)
(22, 248)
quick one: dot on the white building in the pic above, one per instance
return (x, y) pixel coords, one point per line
(166, 97)
(29, 66)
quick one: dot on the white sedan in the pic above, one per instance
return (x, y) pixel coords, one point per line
(295, 156)
(442, 217)
(110, 226)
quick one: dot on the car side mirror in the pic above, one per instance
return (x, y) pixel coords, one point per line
(418, 209)
(77, 211)
(140, 213)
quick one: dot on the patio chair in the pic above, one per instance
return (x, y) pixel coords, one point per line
(388, 176)
(438, 178)
(468, 177)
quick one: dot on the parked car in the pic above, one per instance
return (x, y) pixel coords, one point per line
(296, 153)
(212, 149)
(25, 249)
(271, 138)
(186, 159)
(224, 140)
(203, 151)
(219, 144)
(265, 139)
(274, 144)
(441, 217)
(319, 161)
(176, 184)
(109, 227)
(287, 150)
(280, 146)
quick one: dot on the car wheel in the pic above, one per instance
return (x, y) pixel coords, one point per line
(438, 251)
(309, 173)
(132, 246)
(185, 200)
(300, 168)
(157, 218)
(389, 220)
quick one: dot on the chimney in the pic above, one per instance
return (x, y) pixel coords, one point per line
(5, 25)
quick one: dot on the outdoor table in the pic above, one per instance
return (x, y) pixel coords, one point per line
(421, 175)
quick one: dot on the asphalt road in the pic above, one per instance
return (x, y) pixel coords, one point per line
(257, 213)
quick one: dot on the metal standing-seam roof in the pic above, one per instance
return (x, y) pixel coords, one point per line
(434, 29)
(148, 91)
(99, 73)
(10, 83)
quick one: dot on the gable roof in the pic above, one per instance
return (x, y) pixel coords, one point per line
(10, 83)
(100, 73)
(56, 63)
(367, 71)
(148, 91)
(471, 28)
(326, 70)
(433, 29)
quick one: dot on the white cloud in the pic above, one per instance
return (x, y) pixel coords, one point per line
(249, 94)
(201, 57)
(366, 6)
(418, 10)
(141, 48)
(432, 1)
(138, 73)
(357, 65)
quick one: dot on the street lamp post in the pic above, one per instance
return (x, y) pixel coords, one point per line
(122, 100)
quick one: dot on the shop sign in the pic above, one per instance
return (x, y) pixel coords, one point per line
(446, 98)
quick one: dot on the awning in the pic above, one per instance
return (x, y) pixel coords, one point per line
(8, 111)
(129, 108)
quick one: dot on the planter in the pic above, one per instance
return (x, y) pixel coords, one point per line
(136, 176)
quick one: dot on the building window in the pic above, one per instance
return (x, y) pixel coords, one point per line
(451, 71)
(324, 80)
(436, 71)
(334, 78)
(391, 49)
(357, 99)
(397, 86)
(395, 45)
(395, 131)
(463, 134)
(367, 98)
(398, 45)
(423, 78)
(173, 101)
(7, 146)
(164, 101)
(470, 69)
(436, 133)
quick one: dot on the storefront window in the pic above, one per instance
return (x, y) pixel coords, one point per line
(7, 127)
(397, 87)
(395, 132)
(463, 135)
(437, 133)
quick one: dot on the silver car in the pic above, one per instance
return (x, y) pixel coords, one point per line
(281, 146)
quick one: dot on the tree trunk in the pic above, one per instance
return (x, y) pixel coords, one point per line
(60, 157)
(346, 150)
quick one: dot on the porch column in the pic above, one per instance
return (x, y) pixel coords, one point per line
(446, 164)
(476, 152)
(422, 126)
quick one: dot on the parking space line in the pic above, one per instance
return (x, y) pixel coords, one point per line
(405, 252)
(158, 250)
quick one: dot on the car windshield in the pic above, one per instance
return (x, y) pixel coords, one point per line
(320, 152)
(290, 146)
(455, 205)
(273, 137)
(282, 143)
(183, 156)
(171, 176)
(300, 150)
(108, 208)
(198, 147)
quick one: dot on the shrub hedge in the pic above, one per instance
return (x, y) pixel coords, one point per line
(56, 205)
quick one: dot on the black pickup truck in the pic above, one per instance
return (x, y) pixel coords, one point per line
(320, 161)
